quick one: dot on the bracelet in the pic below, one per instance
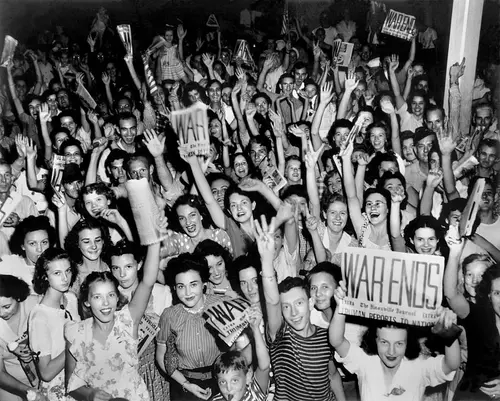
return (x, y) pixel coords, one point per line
(183, 384)
(268, 277)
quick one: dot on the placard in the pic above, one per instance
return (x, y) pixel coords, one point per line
(58, 163)
(146, 333)
(229, 318)
(394, 286)
(399, 25)
(344, 54)
(125, 33)
(9, 47)
(191, 126)
(273, 178)
(469, 214)
(212, 21)
(85, 96)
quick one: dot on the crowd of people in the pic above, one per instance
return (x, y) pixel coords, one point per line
(307, 159)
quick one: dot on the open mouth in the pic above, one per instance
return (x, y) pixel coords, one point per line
(106, 311)
(374, 215)
(191, 229)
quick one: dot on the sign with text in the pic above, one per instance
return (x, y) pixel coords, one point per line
(399, 25)
(229, 317)
(398, 287)
(191, 125)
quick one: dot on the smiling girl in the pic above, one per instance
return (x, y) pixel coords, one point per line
(54, 275)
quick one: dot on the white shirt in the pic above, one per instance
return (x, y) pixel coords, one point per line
(408, 384)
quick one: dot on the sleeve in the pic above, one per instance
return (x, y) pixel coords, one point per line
(279, 335)
(432, 371)
(455, 100)
(223, 239)
(169, 247)
(39, 334)
(403, 110)
(165, 327)
(356, 359)
(171, 356)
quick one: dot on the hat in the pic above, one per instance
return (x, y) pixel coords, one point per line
(71, 173)
(421, 133)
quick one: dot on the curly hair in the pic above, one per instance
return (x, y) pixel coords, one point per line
(98, 277)
(209, 247)
(72, 241)
(123, 247)
(369, 339)
(184, 263)
(99, 188)
(40, 279)
(423, 222)
(195, 202)
(29, 225)
(13, 287)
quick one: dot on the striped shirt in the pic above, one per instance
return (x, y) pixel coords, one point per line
(300, 365)
(189, 343)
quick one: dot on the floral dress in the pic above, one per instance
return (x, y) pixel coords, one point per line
(112, 367)
(46, 336)
(169, 64)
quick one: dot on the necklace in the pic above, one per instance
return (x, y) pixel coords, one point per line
(195, 311)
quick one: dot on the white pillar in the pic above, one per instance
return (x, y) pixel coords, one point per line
(464, 42)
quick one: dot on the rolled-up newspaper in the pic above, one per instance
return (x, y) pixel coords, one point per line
(9, 47)
(125, 33)
(145, 211)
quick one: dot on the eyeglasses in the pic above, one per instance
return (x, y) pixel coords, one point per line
(376, 204)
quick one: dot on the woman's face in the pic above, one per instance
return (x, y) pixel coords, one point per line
(241, 207)
(409, 150)
(72, 155)
(217, 269)
(241, 168)
(495, 296)
(91, 243)
(8, 307)
(394, 185)
(425, 241)
(59, 275)
(391, 345)
(103, 300)
(216, 128)
(258, 153)
(336, 216)
(378, 139)
(189, 289)
(169, 36)
(473, 275)
(322, 287)
(367, 119)
(35, 242)
(194, 96)
(262, 106)
(335, 184)
(60, 137)
(190, 220)
(376, 208)
(434, 161)
(249, 284)
(124, 268)
(95, 203)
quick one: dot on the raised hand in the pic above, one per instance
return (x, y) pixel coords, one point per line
(387, 106)
(250, 184)
(199, 43)
(351, 82)
(311, 157)
(58, 199)
(268, 62)
(20, 142)
(340, 292)
(264, 236)
(255, 317)
(327, 92)
(394, 63)
(181, 33)
(105, 78)
(80, 77)
(30, 149)
(311, 222)
(446, 143)
(208, 60)
(155, 145)
(457, 70)
(296, 131)
(452, 238)
(111, 215)
(240, 74)
(398, 195)
(286, 212)
(250, 111)
(434, 177)
(92, 117)
(44, 114)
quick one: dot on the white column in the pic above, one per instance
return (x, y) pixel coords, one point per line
(464, 42)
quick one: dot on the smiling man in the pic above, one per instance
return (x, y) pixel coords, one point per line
(300, 351)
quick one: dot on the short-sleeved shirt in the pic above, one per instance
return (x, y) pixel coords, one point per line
(300, 365)
(408, 383)
(253, 393)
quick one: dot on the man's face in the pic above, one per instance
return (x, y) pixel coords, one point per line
(487, 156)
(310, 91)
(423, 86)
(300, 76)
(418, 70)
(296, 308)
(293, 172)
(138, 169)
(21, 89)
(117, 172)
(194, 96)
(232, 384)
(128, 131)
(124, 106)
(72, 154)
(435, 120)
(72, 189)
(219, 188)
(423, 148)
(286, 86)
(6, 178)
(226, 96)
(365, 53)
(63, 100)
(34, 108)
(340, 134)
(417, 106)
(483, 117)
(225, 58)
(487, 198)
(262, 106)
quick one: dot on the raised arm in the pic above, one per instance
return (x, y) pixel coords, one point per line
(17, 103)
(326, 95)
(397, 241)
(129, 62)
(434, 178)
(350, 191)
(350, 84)
(447, 145)
(337, 324)
(265, 243)
(319, 249)
(456, 71)
(455, 299)
(44, 116)
(388, 108)
(311, 159)
(393, 65)
(263, 359)
(156, 147)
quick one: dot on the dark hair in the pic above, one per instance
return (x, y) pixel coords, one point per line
(235, 189)
(13, 287)
(490, 143)
(26, 226)
(98, 277)
(369, 339)
(231, 360)
(384, 192)
(433, 107)
(483, 290)
(326, 267)
(293, 282)
(421, 94)
(389, 175)
(297, 190)
(211, 177)
(71, 142)
(454, 204)
(249, 260)
(100, 188)
(40, 280)
(263, 96)
(126, 116)
(299, 65)
(124, 247)
(184, 263)
(56, 131)
(340, 123)
(195, 202)
(115, 154)
(326, 201)
(209, 247)
(260, 140)
(71, 243)
(423, 222)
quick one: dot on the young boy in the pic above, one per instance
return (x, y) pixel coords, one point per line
(234, 373)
